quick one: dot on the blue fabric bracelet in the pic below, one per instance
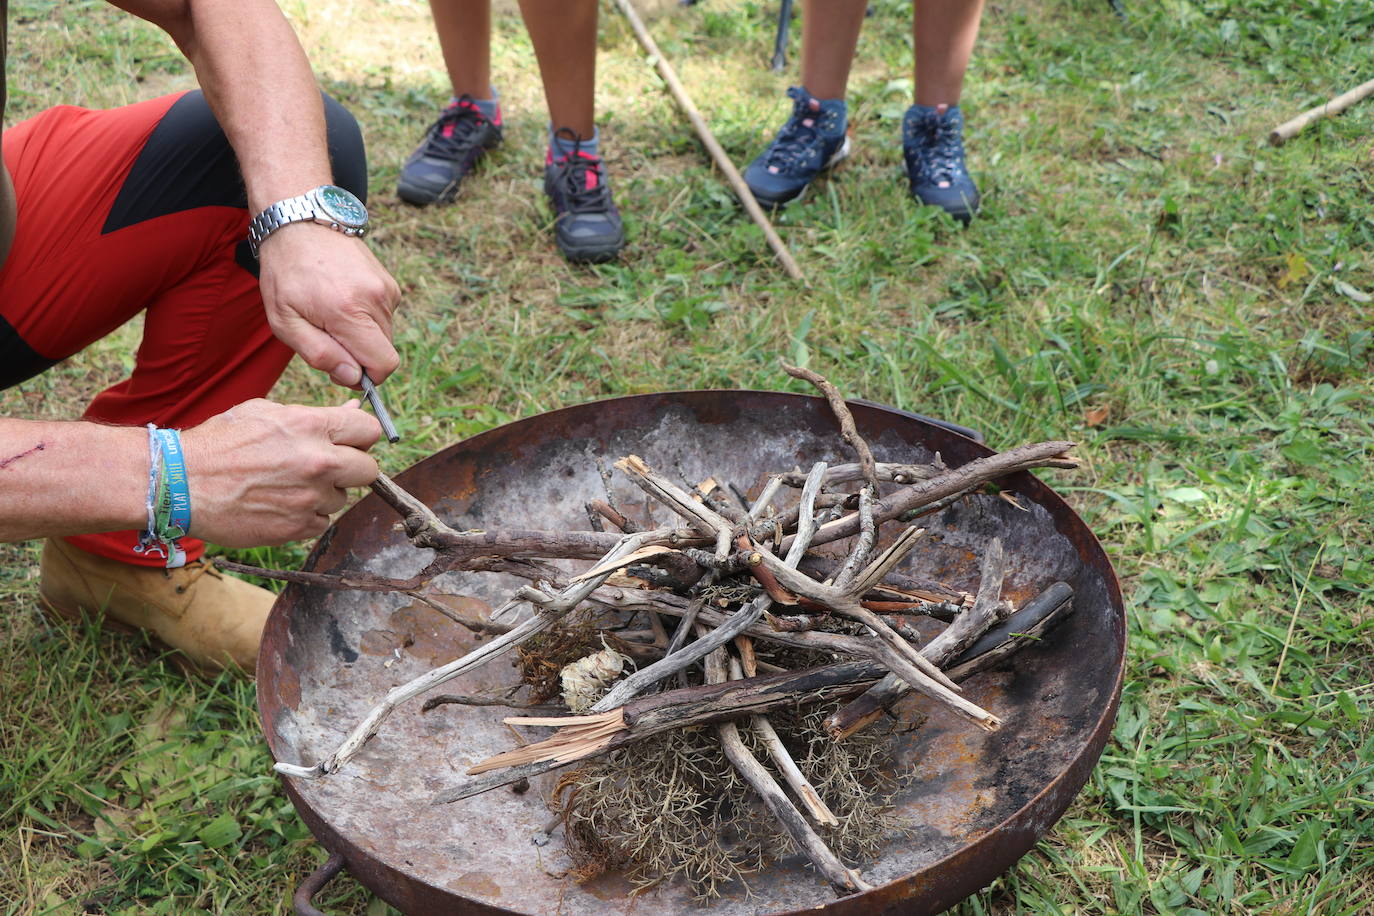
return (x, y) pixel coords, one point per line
(178, 490)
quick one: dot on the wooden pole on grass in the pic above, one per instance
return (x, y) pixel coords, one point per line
(1290, 129)
(708, 139)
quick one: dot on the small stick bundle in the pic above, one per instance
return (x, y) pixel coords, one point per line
(835, 638)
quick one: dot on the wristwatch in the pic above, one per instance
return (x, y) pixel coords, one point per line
(328, 205)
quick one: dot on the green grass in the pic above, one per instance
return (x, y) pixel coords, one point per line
(1148, 278)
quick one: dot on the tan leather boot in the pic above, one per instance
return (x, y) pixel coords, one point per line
(215, 620)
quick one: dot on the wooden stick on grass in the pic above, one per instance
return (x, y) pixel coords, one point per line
(1291, 128)
(708, 139)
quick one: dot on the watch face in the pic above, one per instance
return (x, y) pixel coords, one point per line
(343, 206)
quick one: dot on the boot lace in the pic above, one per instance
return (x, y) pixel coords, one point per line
(580, 180)
(192, 572)
(454, 133)
(798, 143)
(941, 151)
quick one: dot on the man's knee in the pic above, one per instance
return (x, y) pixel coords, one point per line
(187, 162)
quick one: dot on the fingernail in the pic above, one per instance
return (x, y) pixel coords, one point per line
(347, 374)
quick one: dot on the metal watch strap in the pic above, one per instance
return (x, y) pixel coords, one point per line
(292, 210)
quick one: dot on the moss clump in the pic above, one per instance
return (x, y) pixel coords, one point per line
(673, 807)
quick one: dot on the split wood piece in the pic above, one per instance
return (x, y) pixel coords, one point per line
(660, 712)
(885, 471)
(610, 566)
(748, 658)
(844, 880)
(958, 480)
(1291, 128)
(954, 639)
(820, 812)
(548, 610)
(708, 139)
(840, 409)
(1028, 625)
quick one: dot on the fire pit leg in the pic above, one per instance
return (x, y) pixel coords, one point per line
(301, 902)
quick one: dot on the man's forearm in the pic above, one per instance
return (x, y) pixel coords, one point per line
(258, 82)
(71, 478)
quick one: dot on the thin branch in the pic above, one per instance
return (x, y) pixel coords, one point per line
(885, 471)
(868, 537)
(547, 613)
(641, 680)
(475, 624)
(974, 474)
(844, 880)
(462, 699)
(806, 515)
(761, 504)
(966, 628)
(791, 773)
(868, 467)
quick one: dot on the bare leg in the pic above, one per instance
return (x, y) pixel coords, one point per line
(464, 28)
(943, 32)
(563, 33)
(830, 34)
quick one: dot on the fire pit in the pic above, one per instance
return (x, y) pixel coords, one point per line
(977, 802)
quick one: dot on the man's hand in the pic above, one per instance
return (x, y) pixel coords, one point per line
(329, 299)
(264, 473)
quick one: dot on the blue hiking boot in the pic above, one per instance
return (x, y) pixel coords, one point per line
(811, 141)
(587, 225)
(451, 147)
(933, 147)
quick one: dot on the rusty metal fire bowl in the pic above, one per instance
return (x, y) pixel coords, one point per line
(977, 801)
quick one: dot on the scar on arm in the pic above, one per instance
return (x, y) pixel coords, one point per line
(6, 462)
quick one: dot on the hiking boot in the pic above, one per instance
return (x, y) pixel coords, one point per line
(933, 147)
(214, 620)
(451, 147)
(587, 225)
(811, 141)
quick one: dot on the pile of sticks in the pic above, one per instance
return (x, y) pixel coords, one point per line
(704, 670)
